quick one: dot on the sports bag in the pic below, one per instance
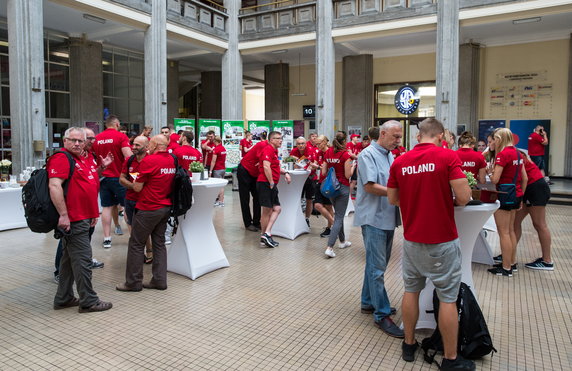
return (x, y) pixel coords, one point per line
(508, 191)
(330, 186)
(474, 338)
(181, 195)
(39, 210)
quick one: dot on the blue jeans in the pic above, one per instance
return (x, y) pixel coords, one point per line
(378, 243)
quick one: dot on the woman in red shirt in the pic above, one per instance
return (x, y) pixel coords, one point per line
(507, 164)
(471, 160)
(338, 158)
(245, 144)
(535, 198)
(218, 166)
(322, 204)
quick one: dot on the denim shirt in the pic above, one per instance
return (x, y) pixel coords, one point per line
(373, 166)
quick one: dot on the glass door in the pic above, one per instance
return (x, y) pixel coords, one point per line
(56, 130)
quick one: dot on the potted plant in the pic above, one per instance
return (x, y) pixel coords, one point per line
(5, 170)
(476, 193)
(289, 161)
(196, 168)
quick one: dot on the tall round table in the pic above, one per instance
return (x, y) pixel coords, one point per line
(291, 222)
(196, 249)
(12, 215)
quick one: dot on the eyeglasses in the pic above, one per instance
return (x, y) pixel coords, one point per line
(90, 138)
(80, 141)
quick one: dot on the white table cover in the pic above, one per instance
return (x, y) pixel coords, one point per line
(291, 222)
(196, 249)
(11, 209)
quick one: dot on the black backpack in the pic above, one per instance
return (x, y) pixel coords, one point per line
(181, 196)
(39, 210)
(474, 338)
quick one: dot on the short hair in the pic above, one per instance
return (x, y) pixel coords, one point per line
(74, 128)
(165, 127)
(148, 127)
(179, 132)
(189, 136)
(373, 132)
(110, 120)
(300, 138)
(274, 133)
(366, 137)
(467, 138)
(210, 132)
(430, 127)
(217, 139)
(263, 135)
(389, 124)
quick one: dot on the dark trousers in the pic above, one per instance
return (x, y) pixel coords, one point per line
(75, 265)
(60, 250)
(147, 223)
(246, 189)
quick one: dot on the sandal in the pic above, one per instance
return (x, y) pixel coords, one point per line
(148, 260)
(100, 306)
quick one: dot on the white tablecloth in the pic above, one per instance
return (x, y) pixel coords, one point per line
(11, 209)
(291, 222)
(196, 249)
(470, 221)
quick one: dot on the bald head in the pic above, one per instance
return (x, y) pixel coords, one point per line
(140, 145)
(158, 143)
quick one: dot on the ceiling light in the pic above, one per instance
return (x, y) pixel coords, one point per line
(527, 20)
(3, 43)
(280, 51)
(94, 18)
(60, 54)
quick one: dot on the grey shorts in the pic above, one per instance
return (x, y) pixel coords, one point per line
(441, 263)
(219, 173)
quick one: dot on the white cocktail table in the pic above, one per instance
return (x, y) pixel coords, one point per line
(12, 215)
(291, 222)
(196, 249)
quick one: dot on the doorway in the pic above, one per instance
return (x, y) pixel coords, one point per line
(56, 130)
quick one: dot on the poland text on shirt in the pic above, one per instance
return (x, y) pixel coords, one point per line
(333, 160)
(191, 158)
(105, 141)
(168, 170)
(422, 168)
(469, 164)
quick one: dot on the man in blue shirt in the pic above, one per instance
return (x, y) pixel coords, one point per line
(378, 220)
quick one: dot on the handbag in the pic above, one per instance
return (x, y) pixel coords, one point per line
(330, 186)
(508, 195)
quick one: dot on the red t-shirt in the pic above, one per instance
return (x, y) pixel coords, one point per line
(354, 148)
(186, 155)
(444, 144)
(245, 143)
(532, 171)
(81, 198)
(269, 153)
(251, 159)
(132, 173)
(471, 160)
(422, 176)
(220, 152)
(319, 159)
(310, 145)
(535, 146)
(208, 155)
(398, 151)
(157, 171)
(508, 160)
(337, 160)
(111, 141)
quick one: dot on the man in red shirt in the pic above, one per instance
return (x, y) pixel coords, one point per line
(207, 146)
(245, 144)
(186, 153)
(537, 141)
(312, 141)
(305, 155)
(247, 173)
(154, 184)
(78, 211)
(111, 141)
(218, 166)
(420, 182)
(267, 186)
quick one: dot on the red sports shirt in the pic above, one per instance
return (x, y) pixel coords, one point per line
(111, 141)
(535, 146)
(532, 171)
(270, 154)
(157, 171)
(398, 151)
(81, 198)
(220, 152)
(319, 159)
(354, 148)
(252, 158)
(337, 160)
(508, 160)
(132, 173)
(471, 160)
(207, 155)
(245, 144)
(186, 155)
(422, 176)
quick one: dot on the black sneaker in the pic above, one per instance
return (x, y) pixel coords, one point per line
(457, 364)
(325, 233)
(540, 265)
(513, 267)
(500, 271)
(308, 222)
(267, 240)
(498, 259)
(96, 264)
(408, 351)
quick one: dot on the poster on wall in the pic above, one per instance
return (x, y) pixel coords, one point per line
(286, 127)
(232, 134)
(523, 128)
(488, 126)
(184, 124)
(206, 125)
(93, 125)
(298, 128)
(354, 130)
(257, 128)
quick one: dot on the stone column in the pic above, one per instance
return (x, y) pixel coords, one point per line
(447, 73)
(232, 66)
(277, 91)
(325, 69)
(27, 100)
(86, 81)
(568, 148)
(172, 91)
(156, 67)
(357, 91)
(211, 86)
(469, 77)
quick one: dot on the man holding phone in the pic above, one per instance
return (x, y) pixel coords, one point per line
(537, 141)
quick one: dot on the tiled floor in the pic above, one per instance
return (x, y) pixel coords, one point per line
(283, 308)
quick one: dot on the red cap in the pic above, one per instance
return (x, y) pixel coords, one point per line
(354, 136)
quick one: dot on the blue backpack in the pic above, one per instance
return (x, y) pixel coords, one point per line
(330, 186)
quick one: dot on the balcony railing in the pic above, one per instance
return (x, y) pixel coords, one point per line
(349, 8)
(278, 15)
(204, 14)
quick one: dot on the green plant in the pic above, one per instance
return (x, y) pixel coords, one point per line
(471, 179)
(290, 159)
(196, 167)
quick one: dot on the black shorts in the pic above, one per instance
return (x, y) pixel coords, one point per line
(111, 192)
(319, 198)
(537, 193)
(268, 197)
(539, 161)
(354, 175)
(514, 206)
(309, 189)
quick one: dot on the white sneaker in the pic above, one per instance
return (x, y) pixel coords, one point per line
(168, 241)
(330, 252)
(344, 244)
(221, 204)
(216, 203)
(107, 243)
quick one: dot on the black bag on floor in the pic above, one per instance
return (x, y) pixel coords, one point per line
(474, 338)
(39, 210)
(181, 196)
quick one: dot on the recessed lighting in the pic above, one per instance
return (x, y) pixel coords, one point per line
(94, 18)
(527, 20)
(280, 51)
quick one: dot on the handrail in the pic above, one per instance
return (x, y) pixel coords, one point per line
(222, 12)
(276, 10)
(267, 4)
